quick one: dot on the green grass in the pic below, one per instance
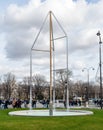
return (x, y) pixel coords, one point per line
(91, 122)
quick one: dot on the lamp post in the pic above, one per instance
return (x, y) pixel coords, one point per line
(100, 65)
(87, 69)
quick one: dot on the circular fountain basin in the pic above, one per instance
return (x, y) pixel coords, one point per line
(46, 113)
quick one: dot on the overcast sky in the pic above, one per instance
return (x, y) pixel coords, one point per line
(20, 21)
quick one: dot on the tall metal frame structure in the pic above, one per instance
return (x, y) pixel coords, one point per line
(51, 52)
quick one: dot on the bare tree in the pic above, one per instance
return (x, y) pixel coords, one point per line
(79, 89)
(26, 87)
(1, 87)
(61, 79)
(40, 83)
(9, 85)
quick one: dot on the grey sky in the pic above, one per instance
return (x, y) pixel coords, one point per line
(21, 21)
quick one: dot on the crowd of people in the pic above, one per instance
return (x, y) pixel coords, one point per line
(73, 103)
(98, 102)
(17, 103)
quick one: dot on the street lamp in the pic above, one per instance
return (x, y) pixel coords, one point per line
(87, 69)
(100, 65)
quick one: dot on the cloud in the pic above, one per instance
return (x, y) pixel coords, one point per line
(18, 44)
(80, 19)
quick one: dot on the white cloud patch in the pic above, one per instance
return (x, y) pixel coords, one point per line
(81, 21)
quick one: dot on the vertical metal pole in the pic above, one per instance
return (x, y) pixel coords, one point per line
(53, 48)
(31, 79)
(54, 78)
(54, 93)
(51, 103)
(67, 72)
(87, 87)
(100, 65)
(88, 83)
